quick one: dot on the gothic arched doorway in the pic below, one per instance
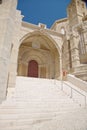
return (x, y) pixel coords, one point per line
(32, 69)
(39, 56)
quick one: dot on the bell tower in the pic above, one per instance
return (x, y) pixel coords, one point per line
(76, 11)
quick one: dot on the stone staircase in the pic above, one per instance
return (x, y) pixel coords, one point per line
(40, 104)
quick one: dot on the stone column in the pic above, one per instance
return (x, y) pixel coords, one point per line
(60, 59)
(74, 41)
(13, 68)
(39, 66)
(42, 69)
(57, 67)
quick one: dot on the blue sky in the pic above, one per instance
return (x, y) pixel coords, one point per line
(43, 11)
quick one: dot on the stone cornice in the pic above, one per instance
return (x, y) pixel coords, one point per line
(37, 28)
(59, 21)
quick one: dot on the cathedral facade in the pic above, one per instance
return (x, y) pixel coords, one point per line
(36, 51)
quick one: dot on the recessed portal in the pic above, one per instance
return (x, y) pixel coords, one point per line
(38, 57)
(32, 69)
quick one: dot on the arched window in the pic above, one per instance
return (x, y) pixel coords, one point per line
(63, 30)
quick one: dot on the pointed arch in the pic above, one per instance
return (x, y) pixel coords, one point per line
(41, 33)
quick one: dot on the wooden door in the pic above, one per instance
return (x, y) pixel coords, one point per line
(33, 69)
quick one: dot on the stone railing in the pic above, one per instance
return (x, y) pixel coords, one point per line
(74, 93)
(83, 67)
(77, 82)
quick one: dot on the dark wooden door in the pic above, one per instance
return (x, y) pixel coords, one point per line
(33, 69)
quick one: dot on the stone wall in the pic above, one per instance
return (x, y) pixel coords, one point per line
(7, 16)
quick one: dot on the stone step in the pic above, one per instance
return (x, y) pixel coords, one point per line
(60, 122)
(33, 111)
(24, 110)
(38, 104)
(29, 81)
(40, 90)
(28, 112)
(41, 109)
(32, 116)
